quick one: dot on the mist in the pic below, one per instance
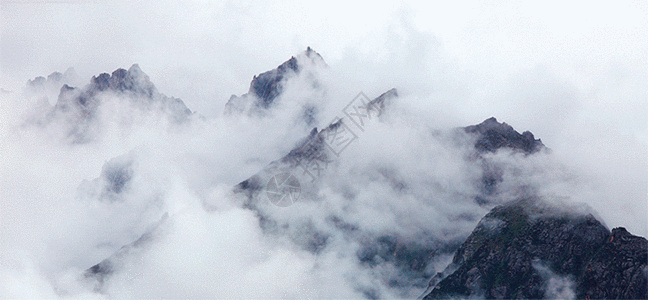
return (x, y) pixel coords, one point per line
(576, 76)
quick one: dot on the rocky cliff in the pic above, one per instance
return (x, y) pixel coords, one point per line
(531, 249)
(269, 85)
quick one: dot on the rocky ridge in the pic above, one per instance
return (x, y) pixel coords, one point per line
(521, 248)
(492, 135)
(77, 107)
(267, 86)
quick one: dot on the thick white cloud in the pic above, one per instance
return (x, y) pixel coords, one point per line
(575, 75)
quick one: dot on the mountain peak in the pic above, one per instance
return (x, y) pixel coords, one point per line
(519, 246)
(267, 86)
(133, 80)
(78, 105)
(313, 55)
(493, 135)
(135, 68)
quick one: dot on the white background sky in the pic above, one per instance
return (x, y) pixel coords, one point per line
(493, 57)
(573, 73)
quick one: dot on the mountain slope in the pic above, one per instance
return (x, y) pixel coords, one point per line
(312, 148)
(525, 248)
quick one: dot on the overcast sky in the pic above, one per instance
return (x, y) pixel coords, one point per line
(573, 73)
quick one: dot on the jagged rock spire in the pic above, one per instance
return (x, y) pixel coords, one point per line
(493, 135)
(267, 86)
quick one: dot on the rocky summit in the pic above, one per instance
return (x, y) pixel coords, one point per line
(76, 108)
(267, 86)
(493, 135)
(531, 249)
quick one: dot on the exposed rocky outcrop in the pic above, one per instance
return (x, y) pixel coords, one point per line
(78, 106)
(311, 149)
(520, 248)
(267, 86)
(618, 269)
(492, 135)
(489, 137)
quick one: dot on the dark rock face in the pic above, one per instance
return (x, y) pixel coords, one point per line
(79, 106)
(133, 80)
(311, 148)
(618, 269)
(493, 135)
(267, 86)
(515, 246)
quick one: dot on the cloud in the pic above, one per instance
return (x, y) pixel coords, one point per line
(576, 85)
(557, 287)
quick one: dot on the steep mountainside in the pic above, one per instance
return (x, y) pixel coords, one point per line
(530, 249)
(267, 86)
